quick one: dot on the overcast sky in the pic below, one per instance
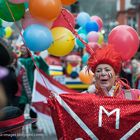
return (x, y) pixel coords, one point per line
(106, 9)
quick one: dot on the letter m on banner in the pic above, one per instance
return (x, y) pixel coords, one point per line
(117, 111)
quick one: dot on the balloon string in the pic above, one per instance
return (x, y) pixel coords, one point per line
(61, 37)
(89, 50)
(27, 48)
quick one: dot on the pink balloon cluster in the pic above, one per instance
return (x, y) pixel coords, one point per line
(95, 39)
(93, 36)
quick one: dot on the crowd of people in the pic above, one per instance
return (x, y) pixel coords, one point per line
(16, 82)
(17, 78)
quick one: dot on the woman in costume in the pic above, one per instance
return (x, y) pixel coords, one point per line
(106, 65)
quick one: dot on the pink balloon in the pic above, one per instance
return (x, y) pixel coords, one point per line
(98, 20)
(29, 20)
(94, 45)
(125, 40)
(64, 20)
(93, 36)
(18, 1)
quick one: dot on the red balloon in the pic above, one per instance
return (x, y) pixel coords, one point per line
(64, 20)
(125, 40)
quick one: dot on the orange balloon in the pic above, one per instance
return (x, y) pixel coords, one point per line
(86, 76)
(68, 2)
(45, 9)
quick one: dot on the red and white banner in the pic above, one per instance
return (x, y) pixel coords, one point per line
(85, 116)
(90, 117)
(43, 83)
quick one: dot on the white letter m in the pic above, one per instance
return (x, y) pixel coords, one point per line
(108, 114)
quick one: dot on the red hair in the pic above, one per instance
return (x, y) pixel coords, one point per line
(105, 55)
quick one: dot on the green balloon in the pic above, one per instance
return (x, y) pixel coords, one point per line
(18, 11)
(0, 22)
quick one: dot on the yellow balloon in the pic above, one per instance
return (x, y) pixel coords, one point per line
(64, 41)
(8, 32)
(101, 38)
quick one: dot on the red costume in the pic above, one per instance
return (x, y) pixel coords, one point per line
(107, 55)
(91, 117)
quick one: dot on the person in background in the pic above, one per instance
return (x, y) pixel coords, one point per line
(28, 63)
(23, 95)
(8, 87)
(136, 72)
(106, 65)
(126, 72)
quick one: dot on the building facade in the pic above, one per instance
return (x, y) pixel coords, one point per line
(136, 3)
(127, 13)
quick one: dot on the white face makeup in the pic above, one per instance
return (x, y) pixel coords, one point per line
(105, 76)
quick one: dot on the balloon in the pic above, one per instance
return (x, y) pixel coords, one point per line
(61, 21)
(93, 36)
(0, 22)
(101, 38)
(85, 58)
(68, 2)
(86, 76)
(82, 18)
(37, 38)
(82, 30)
(18, 1)
(18, 11)
(91, 26)
(45, 9)
(98, 20)
(79, 43)
(63, 41)
(26, 5)
(29, 20)
(94, 45)
(125, 40)
(8, 32)
(2, 32)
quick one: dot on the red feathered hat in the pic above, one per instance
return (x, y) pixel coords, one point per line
(105, 55)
